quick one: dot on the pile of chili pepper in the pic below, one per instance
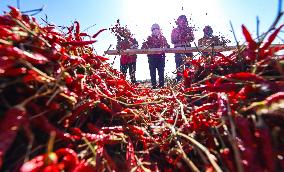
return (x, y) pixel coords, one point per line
(64, 108)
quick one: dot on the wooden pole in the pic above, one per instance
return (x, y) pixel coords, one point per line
(174, 50)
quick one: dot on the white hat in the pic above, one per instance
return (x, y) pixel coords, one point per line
(155, 26)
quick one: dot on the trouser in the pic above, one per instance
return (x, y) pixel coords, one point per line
(132, 70)
(159, 64)
(180, 61)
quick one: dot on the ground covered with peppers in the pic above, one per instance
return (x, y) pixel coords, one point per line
(64, 108)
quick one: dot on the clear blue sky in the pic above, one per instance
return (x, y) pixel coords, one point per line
(139, 15)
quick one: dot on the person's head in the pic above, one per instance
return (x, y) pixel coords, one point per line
(208, 31)
(156, 29)
(182, 21)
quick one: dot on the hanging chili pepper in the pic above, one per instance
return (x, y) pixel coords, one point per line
(77, 30)
(100, 31)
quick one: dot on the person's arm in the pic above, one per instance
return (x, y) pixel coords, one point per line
(118, 46)
(200, 42)
(174, 36)
(217, 41)
(134, 44)
(190, 35)
(145, 44)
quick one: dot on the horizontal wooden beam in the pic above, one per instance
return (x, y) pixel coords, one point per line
(169, 50)
(174, 50)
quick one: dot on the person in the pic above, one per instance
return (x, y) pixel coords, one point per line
(181, 36)
(156, 61)
(128, 61)
(208, 40)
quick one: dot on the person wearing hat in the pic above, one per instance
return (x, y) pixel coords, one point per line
(156, 61)
(128, 61)
(181, 36)
(208, 39)
(125, 40)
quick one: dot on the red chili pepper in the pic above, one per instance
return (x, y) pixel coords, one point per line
(245, 92)
(13, 72)
(115, 129)
(79, 110)
(102, 58)
(40, 162)
(5, 32)
(266, 148)
(77, 29)
(246, 76)
(5, 63)
(225, 87)
(34, 58)
(111, 163)
(244, 128)
(9, 126)
(99, 138)
(115, 106)
(34, 165)
(271, 38)
(135, 129)
(274, 98)
(223, 105)
(84, 34)
(226, 59)
(130, 155)
(68, 158)
(15, 13)
(42, 123)
(86, 167)
(226, 156)
(79, 43)
(32, 75)
(206, 106)
(100, 31)
(70, 29)
(104, 107)
(251, 43)
(17, 53)
(93, 128)
(99, 158)
(52, 168)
